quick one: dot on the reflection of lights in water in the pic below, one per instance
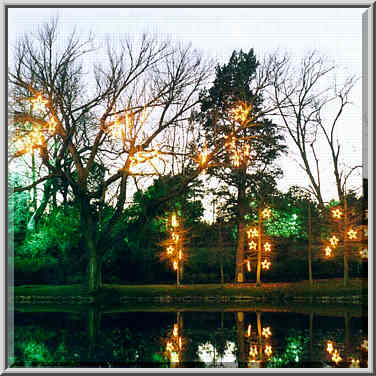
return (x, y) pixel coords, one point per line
(209, 355)
(268, 350)
(175, 330)
(364, 345)
(249, 330)
(355, 363)
(253, 351)
(329, 347)
(266, 332)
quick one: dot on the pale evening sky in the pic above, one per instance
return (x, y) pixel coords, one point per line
(336, 33)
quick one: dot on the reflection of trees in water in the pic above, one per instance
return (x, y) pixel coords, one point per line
(207, 339)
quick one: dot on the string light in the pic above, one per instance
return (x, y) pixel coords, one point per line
(52, 124)
(248, 265)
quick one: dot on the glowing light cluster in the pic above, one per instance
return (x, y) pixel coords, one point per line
(239, 154)
(336, 358)
(240, 113)
(39, 102)
(174, 249)
(174, 345)
(33, 140)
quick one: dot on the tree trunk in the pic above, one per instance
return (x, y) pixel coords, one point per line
(310, 244)
(239, 316)
(345, 259)
(89, 229)
(239, 270)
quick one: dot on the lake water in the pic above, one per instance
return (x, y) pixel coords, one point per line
(228, 337)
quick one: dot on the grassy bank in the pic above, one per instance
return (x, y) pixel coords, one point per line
(329, 287)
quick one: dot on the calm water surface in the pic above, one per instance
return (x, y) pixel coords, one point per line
(188, 339)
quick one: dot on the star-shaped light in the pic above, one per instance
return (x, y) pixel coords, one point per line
(329, 347)
(364, 345)
(252, 232)
(266, 332)
(364, 253)
(328, 251)
(175, 265)
(334, 241)
(241, 112)
(337, 213)
(266, 264)
(252, 245)
(170, 250)
(248, 265)
(266, 213)
(267, 247)
(351, 234)
(268, 350)
(39, 102)
(336, 357)
(253, 351)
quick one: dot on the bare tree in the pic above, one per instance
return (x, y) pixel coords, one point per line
(302, 95)
(97, 130)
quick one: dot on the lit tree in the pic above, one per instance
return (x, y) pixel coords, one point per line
(348, 233)
(174, 246)
(233, 115)
(97, 133)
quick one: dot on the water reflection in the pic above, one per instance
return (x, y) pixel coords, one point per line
(237, 339)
